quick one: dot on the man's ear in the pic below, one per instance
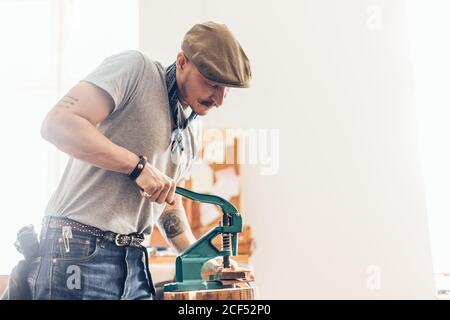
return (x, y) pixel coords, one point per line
(181, 60)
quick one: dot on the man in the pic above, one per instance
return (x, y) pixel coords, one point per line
(131, 132)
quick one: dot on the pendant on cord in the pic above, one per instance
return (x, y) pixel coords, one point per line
(177, 146)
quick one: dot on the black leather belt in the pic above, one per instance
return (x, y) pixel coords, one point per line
(120, 240)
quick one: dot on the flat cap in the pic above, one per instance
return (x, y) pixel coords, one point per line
(217, 55)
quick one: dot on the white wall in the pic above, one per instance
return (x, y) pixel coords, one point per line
(345, 216)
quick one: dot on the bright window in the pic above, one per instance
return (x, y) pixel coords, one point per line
(429, 29)
(47, 46)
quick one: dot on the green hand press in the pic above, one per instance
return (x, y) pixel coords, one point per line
(189, 263)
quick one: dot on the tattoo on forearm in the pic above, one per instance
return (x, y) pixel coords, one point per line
(72, 98)
(172, 223)
(67, 102)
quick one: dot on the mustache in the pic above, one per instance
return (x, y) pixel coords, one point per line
(207, 103)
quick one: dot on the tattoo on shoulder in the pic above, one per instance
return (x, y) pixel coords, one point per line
(67, 102)
(172, 223)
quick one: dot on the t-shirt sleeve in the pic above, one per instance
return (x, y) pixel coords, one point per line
(119, 76)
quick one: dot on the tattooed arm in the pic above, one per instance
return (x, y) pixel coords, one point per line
(174, 225)
(71, 126)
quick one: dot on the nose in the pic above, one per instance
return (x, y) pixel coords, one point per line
(219, 94)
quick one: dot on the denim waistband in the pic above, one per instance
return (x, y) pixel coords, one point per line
(67, 226)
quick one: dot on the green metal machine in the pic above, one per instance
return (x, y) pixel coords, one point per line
(190, 262)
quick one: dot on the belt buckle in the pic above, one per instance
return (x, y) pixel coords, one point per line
(116, 240)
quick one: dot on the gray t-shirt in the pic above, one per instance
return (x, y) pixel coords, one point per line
(141, 123)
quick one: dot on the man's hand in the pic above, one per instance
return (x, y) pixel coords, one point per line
(215, 265)
(156, 186)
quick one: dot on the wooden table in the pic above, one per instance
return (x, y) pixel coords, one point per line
(222, 294)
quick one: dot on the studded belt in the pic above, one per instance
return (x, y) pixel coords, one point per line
(120, 240)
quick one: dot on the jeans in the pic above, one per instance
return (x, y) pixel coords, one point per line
(86, 267)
